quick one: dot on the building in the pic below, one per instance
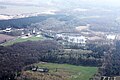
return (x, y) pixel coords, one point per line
(73, 38)
(40, 69)
(7, 30)
(34, 32)
(77, 39)
(111, 37)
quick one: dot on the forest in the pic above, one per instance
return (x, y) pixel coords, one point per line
(13, 58)
(25, 22)
(112, 61)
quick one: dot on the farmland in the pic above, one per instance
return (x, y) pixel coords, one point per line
(4, 37)
(17, 40)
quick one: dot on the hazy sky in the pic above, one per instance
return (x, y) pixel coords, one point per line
(9, 6)
(36, 2)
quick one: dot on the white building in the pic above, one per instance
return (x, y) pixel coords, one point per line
(34, 31)
(7, 30)
(77, 39)
(38, 35)
(59, 35)
(73, 39)
(111, 37)
(23, 33)
(24, 37)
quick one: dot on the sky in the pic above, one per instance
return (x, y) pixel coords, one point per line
(51, 2)
(26, 6)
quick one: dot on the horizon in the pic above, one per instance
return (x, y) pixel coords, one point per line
(26, 6)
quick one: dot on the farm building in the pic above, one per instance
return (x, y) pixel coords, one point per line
(40, 69)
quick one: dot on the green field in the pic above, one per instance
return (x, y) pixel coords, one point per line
(71, 71)
(33, 38)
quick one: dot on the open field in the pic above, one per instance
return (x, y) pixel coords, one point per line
(65, 71)
(17, 40)
(4, 37)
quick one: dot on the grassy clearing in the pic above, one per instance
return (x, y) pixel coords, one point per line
(71, 72)
(33, 38)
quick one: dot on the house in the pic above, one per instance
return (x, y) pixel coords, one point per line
(7, 30)
(28, 35)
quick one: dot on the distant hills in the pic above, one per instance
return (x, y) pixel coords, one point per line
(100, 20)
(26, 21)
(25, 15)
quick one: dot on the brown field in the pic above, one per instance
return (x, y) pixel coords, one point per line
(4, 37)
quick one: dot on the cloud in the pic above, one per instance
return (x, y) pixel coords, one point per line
(59, 3)
(3, 7)
(19, 3)
(53, 4)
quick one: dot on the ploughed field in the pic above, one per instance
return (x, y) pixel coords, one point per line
(4, 38)
(61, 72)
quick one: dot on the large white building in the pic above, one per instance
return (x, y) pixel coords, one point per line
(111, 37)
(7, 30)
(73, 39)
(77, 39)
